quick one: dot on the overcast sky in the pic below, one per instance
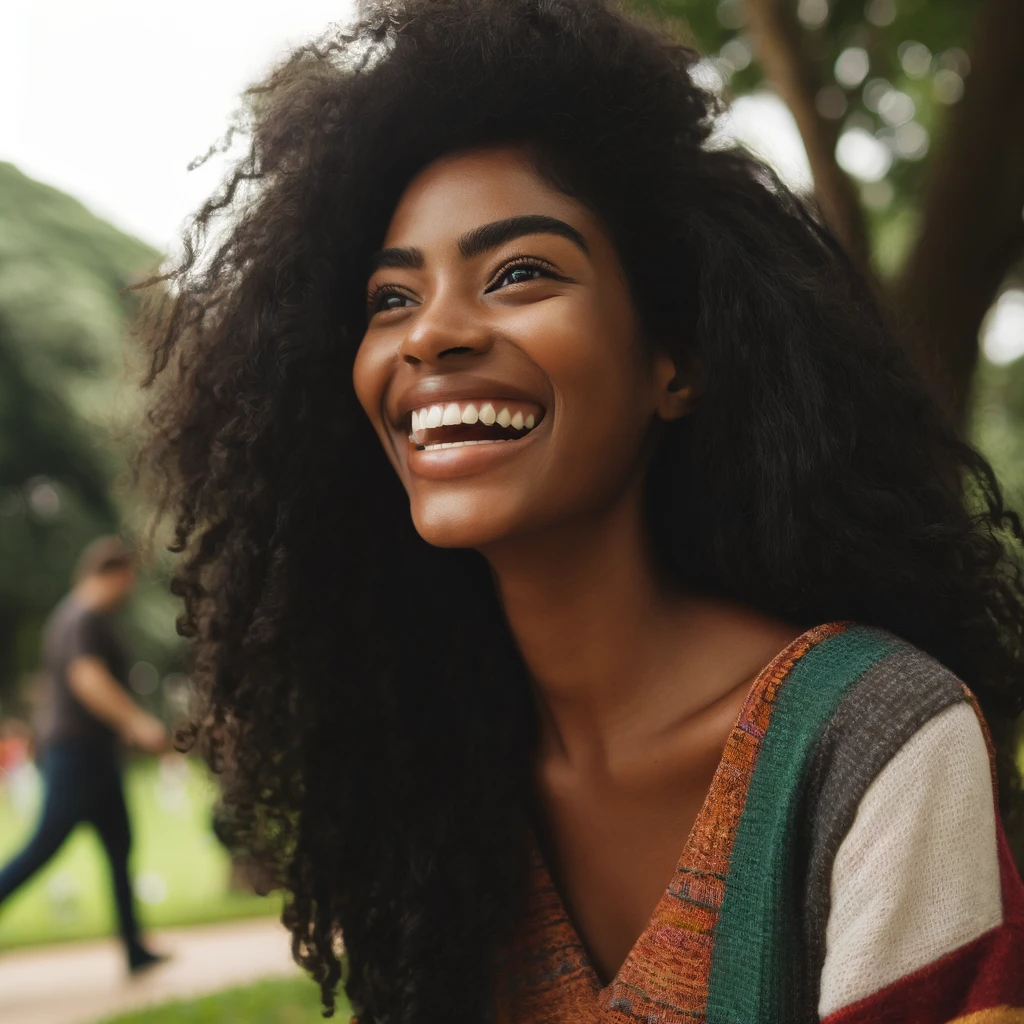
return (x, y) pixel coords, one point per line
(109, 100)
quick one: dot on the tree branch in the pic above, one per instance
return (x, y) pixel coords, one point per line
(778, 38)
(971, 225)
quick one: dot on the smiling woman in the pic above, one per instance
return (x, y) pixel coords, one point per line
(588, 600)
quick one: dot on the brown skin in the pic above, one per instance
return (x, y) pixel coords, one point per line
(637, 685)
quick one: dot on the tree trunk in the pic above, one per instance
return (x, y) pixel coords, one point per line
(779, 42)
(972, 216)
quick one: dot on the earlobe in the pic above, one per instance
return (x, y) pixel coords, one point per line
(677, 401)
(677, 389)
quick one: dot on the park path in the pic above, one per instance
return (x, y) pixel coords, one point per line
(85, 982)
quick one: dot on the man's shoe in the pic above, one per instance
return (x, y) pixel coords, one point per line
(142, 960)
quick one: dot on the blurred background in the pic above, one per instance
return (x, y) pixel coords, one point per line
(903, 118)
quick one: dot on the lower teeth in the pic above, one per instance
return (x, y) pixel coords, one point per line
(459, 444)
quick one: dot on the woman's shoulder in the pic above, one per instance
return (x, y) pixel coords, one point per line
(911, 895)
(833, 710)
(882, 689)
(889, 695)
(925, 905)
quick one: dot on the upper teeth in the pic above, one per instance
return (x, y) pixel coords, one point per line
(431, 416)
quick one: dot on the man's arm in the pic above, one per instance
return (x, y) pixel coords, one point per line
(99, 692)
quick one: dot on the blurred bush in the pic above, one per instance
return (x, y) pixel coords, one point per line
(66, 410)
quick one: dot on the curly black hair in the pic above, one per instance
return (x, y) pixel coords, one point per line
(377, 767)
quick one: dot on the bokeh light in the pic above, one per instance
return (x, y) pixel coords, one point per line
(877, 195)
(736, 53)
(874, 90)
(1002, 330)
(812, 13)
(915, 58)
(911, 141)
(880, 12)
(852, 66)
(731, 14)
(895, 107)
(954, 59)
(859, 153)
(947, 86)
(43, 497)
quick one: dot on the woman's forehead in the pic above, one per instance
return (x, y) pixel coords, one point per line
(461, 191)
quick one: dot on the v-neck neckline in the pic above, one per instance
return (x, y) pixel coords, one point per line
(702, 824)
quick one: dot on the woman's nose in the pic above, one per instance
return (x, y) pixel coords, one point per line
(443, 330)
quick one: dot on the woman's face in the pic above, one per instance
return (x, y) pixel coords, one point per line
(502, 364)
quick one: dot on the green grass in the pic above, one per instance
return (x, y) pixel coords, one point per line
(269, 1002)
(179, 869)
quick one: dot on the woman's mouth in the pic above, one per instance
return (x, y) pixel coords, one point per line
(474, 422)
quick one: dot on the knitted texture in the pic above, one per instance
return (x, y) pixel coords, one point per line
(918, 874)
(740, 933)
(874, 719)
(979, 981)
(757, 959)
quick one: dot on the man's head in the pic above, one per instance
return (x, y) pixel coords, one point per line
(105, 573)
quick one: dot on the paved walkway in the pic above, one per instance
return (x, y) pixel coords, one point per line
(86, 982)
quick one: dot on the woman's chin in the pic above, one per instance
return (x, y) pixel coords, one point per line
(446, 524)
(447, 535)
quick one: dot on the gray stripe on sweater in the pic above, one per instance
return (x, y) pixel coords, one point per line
(889, 703)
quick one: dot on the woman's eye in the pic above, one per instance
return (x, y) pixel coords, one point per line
(385, 300)
(520, 275)
(517, 275)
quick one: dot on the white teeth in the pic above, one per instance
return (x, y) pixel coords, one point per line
(452, 414)
(460, 444)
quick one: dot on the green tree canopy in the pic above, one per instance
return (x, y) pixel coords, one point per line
(65, 397)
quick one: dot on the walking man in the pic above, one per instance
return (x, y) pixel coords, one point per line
(89, 713)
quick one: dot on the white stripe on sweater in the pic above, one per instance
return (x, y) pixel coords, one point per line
(917, 875)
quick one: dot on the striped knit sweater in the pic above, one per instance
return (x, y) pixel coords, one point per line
(848, 866)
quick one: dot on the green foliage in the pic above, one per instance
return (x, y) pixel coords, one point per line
(886, 31)
(66, 403)
(997, 424)
(294, 1001)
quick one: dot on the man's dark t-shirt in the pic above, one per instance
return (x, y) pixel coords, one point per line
(74, 631)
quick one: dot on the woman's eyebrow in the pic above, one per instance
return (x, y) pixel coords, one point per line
(396, 257)
(490, 236)
(484, 238)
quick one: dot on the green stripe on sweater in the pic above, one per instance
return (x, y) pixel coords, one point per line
(755, 964)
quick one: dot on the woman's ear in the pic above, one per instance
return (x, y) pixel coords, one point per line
(678, 385)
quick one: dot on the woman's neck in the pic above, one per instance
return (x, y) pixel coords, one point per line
(601, 636)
